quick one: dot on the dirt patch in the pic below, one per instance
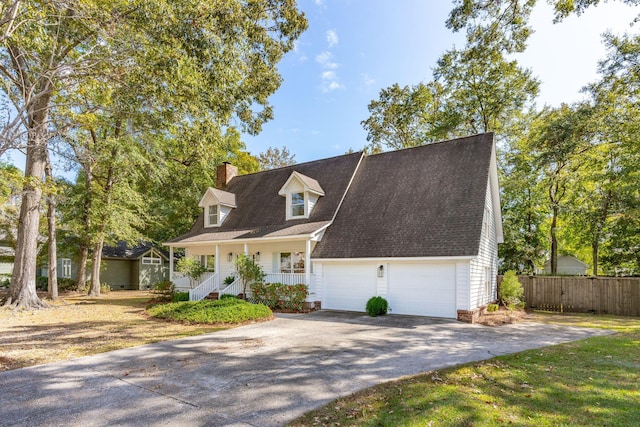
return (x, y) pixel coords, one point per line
(77, 325)
(503, 316)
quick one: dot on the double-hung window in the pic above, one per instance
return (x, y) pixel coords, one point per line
(297, 205)
(213, 215)
(292, 262)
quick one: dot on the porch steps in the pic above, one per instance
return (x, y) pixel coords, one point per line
(213, 296)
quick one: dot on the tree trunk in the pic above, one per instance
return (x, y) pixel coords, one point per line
(81, 275)
(94, 288)
(52, 282)
(22, 292)
(594, 252)
(554, 242)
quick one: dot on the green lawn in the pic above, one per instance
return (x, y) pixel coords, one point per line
(593, 382)
(223, 311)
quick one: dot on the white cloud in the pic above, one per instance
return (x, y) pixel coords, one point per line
(325, 59)
(368, 81)
(330, 81)
(332, 38)
(319, 2)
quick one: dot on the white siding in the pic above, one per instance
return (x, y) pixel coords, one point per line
(487, 257)
(312, 202)
(223, 212)
(463, 301)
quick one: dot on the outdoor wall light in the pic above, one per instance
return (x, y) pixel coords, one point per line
(230, 256)
(256, 256)
(381, 271)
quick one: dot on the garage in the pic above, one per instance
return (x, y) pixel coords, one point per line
(348, 286)
(422, 290)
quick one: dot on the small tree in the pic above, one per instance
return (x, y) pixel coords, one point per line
(192, 269)
(511, 291)
(249, 271)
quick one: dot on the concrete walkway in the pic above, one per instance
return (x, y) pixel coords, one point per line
(258, 375)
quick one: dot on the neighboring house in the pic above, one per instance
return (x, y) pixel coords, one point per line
(124, 267)
(567, 266)
(7, 254)
(418, 226)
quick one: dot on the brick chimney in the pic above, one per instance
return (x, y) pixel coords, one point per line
(224, 173)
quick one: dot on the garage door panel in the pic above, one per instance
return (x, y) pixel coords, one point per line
(423, 290)
(348, 287)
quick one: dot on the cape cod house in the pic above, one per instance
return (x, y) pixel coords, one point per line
(418, 226)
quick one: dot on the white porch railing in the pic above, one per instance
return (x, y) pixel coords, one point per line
(286, 278)
(234, 288)
(209, 285)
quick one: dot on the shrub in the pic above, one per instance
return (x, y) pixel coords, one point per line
(105, 288)
(377, 306)
(5, 280)
(229, 280)
(192, 269)
(66, 284)
(165, 289)
(511, 291)
(226, 311)
(225, 296)
(42, 283)
(492, 307)
(278, 296)
(181, 296)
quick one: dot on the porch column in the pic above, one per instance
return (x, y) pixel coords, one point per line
(170, 263)
(307, 264)
(246, 249)
(217, 266)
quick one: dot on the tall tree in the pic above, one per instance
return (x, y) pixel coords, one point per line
(222, 54)
(275, 158)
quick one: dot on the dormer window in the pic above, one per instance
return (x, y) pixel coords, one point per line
(217, 206)
(301, 193)
(297, 205)
(213, 215)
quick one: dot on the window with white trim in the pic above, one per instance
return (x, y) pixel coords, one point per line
(151, 260)
(297, 205)
(212, 216)
(292, 262)
(66, 268)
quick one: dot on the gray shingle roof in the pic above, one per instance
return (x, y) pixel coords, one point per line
(123, 251)
(419, 202)
(260, 210)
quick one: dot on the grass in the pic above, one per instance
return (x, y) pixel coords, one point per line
(81, 326)
(588, 382)
(224, 311)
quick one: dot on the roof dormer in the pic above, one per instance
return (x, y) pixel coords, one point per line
(217, 205)
(301, 193)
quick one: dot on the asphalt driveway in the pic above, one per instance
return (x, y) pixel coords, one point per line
(260, 375)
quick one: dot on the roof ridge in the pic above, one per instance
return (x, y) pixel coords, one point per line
(300, 164)
(430, 144)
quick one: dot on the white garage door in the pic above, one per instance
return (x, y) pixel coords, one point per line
(423, 290)
(348, 286)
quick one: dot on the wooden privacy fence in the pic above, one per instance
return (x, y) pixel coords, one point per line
(613, 295)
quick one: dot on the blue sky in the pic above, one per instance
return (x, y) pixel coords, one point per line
(354, 48)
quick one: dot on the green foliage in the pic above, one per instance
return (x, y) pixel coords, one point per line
(511, 291)
(191, 268)
(105, 288)
(492, 308)
(225, 296)
(225, 311)
(5, 280)
(229, 280)
(180, 296)
(164, 290)
(377, 306)
(41, 283)
(249, 271)
(278, 296)
(275, 158)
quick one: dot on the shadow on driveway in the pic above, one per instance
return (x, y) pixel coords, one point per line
(262, 374)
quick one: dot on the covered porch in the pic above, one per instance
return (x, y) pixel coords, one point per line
(284, 260)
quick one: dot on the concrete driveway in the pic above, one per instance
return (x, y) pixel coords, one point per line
(260, 375)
